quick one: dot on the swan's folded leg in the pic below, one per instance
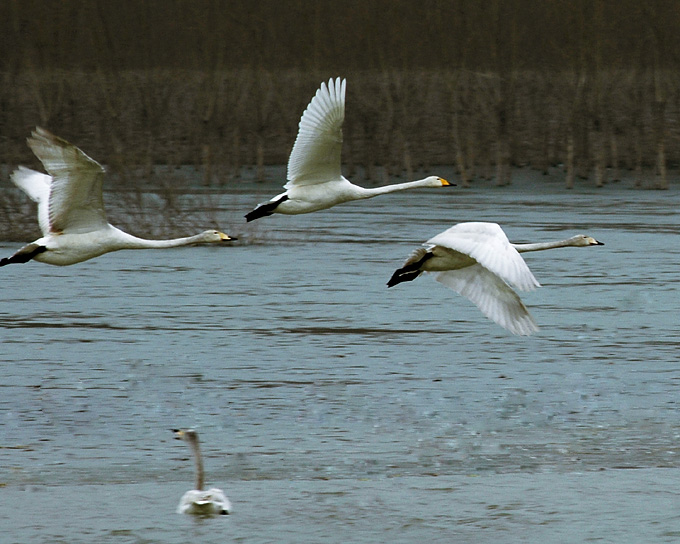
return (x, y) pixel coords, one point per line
(24, 255)
(411, 269)
(263, 210)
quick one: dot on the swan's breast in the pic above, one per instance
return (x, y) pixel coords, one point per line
(310, 198)
(66, 249)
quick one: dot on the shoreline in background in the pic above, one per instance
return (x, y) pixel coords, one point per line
(173, 200)
(597, 124)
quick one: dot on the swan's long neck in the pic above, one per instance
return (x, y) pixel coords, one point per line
(540, 246)
(133, 242)
(368, 193)
(198, 461)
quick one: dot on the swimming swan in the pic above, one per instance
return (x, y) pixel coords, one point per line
(478, 261)
(71, 209)
(198, 501)
(315, 181)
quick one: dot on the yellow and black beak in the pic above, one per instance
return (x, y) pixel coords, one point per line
(226, 237)
(446, 183)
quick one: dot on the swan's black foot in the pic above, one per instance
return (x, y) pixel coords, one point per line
(411, 270)
(268, 208)
(24, 255)
(402, 275)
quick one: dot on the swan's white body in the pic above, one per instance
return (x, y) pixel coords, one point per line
(315, 180)
(71, 208)
(478, 261)
(199, 501)
(204, 503)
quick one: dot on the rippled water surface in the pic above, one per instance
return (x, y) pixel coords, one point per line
(332, 409)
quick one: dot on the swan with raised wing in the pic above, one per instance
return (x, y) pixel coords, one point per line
(315, 180)
(479, 262)
(71, 208)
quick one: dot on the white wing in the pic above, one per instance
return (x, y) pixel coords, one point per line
(212, 501)
(219, 498)
(316, 154)
(492, 296)
(75, 201)
(489, 246)
(37, 186)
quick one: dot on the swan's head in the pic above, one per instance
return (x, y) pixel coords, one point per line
(212, 236)
(185, 434)
(581, 240)
(436, 181)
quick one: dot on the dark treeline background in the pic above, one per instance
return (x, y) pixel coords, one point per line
(590, 86)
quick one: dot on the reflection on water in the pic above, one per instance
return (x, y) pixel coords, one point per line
(332, 408)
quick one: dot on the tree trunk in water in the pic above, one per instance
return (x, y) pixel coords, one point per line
(614, 162)
(503, 144)
(259, 171)
(570, 161)
(503, 162)
(660, 133)
(236, 152)
(600, 159)
(207, 164)
(661, 165)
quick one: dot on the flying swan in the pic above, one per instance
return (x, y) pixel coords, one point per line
(71, 209)
(315, 181)
(199, 501)
(478, 261)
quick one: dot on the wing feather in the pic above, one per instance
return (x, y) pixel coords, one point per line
(37, 186)
(75, 199)
(315, 157)
(495, 299)
(489, 246)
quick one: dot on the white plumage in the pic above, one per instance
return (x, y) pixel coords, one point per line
(71, 209)
(199, 501)
(204, 503)
(478, 261)
(315, 180)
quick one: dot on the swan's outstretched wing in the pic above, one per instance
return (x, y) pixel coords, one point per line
(490, 247)
(37, 186)
(316, 154)
(492, 296)
(75, 200)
